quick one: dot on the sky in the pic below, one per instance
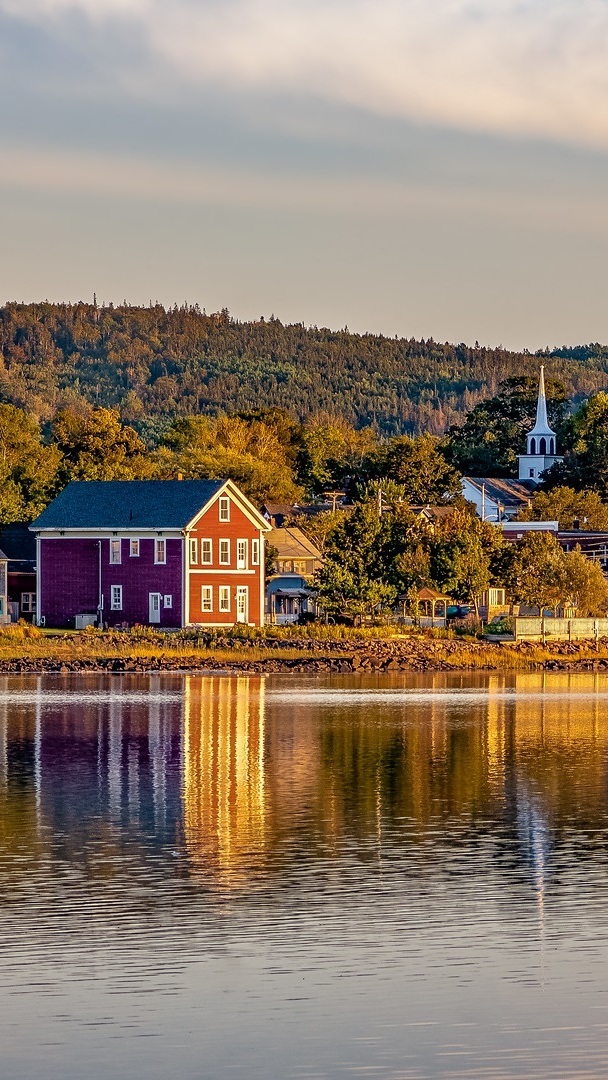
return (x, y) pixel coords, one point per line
(427, 168)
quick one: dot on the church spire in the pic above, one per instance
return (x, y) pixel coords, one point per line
(541, 451)
(542, 421)
(541, 426)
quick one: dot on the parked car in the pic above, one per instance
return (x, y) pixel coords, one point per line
(458, 611)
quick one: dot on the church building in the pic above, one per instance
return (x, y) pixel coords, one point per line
(501, 499)
(542, 442)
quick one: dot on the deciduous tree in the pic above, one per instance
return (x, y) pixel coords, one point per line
(571, 508)
(96, 446)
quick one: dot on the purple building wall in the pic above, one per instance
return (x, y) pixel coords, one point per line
(69, 581)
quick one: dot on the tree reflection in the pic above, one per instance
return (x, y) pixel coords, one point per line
(232, 779)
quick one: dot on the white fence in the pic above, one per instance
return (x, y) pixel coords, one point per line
(545, 629)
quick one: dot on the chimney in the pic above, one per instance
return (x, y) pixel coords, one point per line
(179, 476)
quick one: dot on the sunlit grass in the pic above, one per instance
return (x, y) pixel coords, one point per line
(244, 647)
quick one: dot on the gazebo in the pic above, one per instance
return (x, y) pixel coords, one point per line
(432, 608)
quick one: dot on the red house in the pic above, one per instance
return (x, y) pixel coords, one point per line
(169, 553)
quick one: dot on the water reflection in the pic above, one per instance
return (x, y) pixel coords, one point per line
(328, 877)
(237, 774)
(224, 797)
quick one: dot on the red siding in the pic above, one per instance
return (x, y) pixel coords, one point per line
(211, 528)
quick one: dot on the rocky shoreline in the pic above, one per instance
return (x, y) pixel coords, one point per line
(345, 656)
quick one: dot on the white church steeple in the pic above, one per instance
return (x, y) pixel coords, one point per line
(542, 441)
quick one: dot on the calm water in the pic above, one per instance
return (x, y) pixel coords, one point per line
(286, 877)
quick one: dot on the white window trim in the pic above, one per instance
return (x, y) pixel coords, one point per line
(207, 600)
(113, 561)
(115, 606)
(224, 540)
(193, 551)
(224, 599)
(157, 541)
(242, 564)
(224, 504)
(209, 561)
(133, 554)
(168, 600)
(255, 552)
(28, 606)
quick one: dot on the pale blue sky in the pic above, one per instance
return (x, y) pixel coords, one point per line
(420, 167)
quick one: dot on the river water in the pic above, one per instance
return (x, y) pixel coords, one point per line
(308, 877)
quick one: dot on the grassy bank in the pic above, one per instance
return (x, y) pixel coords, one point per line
(342, 649)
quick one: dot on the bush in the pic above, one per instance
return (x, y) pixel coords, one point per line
(20, 631)
(501, 626)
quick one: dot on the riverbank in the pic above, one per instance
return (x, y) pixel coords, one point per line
(28, 650)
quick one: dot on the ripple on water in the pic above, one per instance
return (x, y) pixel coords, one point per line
(404, 877)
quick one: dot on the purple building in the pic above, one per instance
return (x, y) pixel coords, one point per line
(127, 551)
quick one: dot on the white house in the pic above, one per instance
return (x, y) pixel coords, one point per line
(496, 499)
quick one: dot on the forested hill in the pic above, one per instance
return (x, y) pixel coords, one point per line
(154, 363)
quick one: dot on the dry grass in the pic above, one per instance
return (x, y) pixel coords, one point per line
(26, 643)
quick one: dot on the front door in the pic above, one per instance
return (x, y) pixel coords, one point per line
(242, 603)
(154, 607)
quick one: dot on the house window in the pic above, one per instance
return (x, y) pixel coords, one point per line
(193, 551)
(115, 551)
(168, 600)
(116, 598)
(160, 551)
(207, 598)
(28, 602)
(532, 474)
(224, 598)
(255, 552)
(224, 509)
(134, 549)
(206, 552)
(225, 552)
(241, 554)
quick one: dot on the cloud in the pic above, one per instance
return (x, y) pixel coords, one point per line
(113, 176)
(509, 67)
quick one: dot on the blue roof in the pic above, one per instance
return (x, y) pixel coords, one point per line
(127, 504)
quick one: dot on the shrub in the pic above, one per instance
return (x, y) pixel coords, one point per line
(501, 626)
(20, 631)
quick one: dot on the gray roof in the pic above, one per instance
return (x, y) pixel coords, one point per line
(509, 492)
(18, 543)
(291, 543)
(127, 504)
